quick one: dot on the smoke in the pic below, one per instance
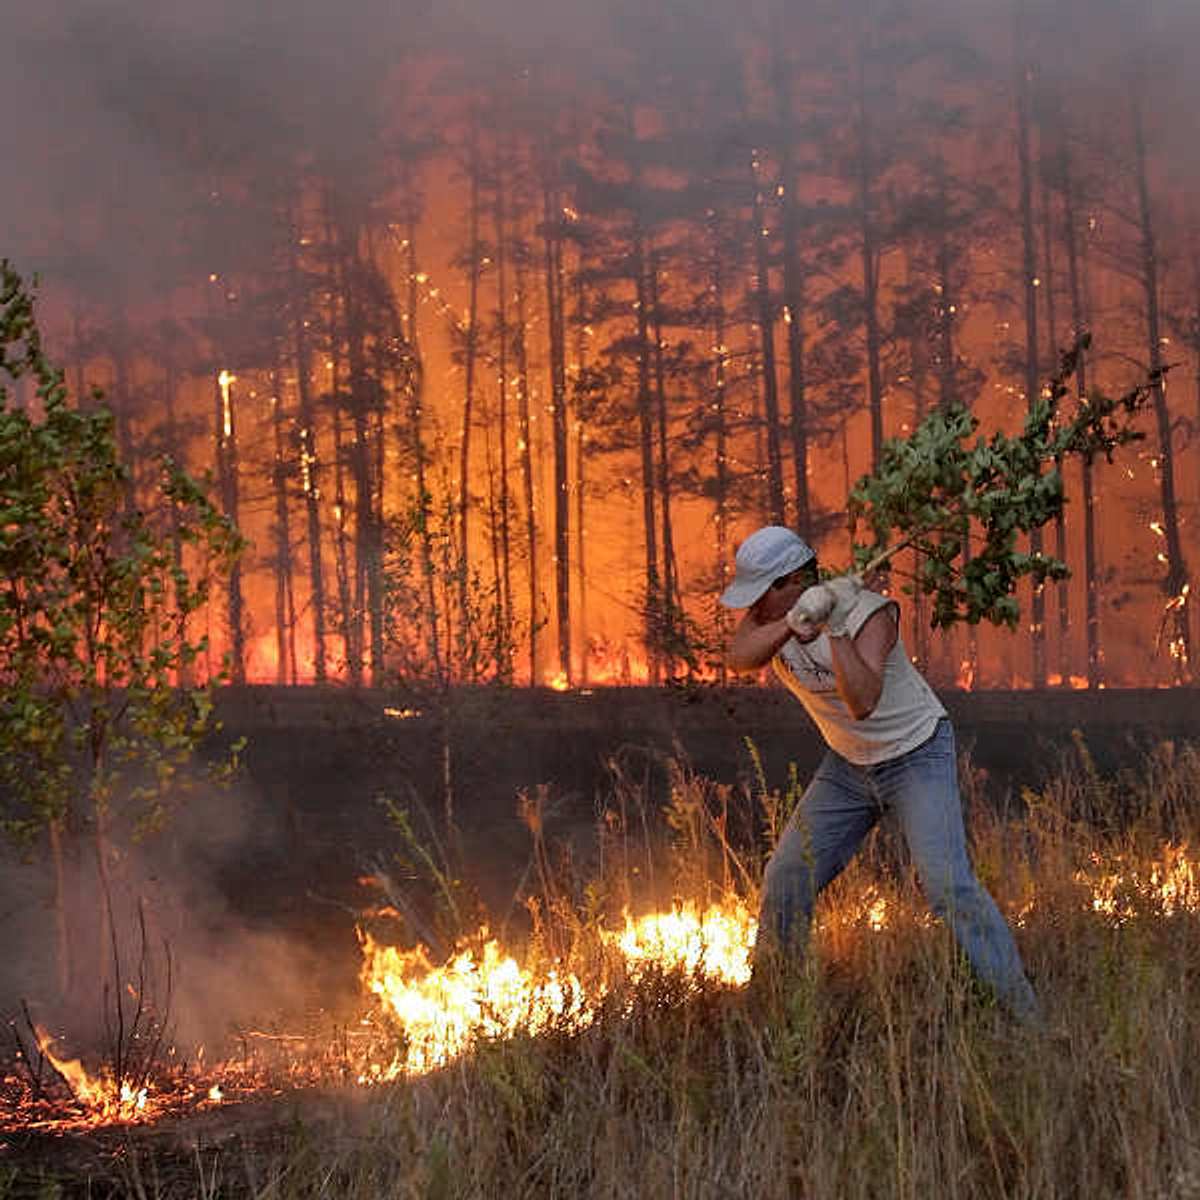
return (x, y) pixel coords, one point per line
(125, 120)
(209, 931)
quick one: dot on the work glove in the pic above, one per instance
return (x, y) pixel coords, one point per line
(846, 590)
(811, 610)
(827, 604)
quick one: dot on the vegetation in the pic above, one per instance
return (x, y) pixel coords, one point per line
(878, 1070)
(961, 507)
(609, 300)
(100, 706)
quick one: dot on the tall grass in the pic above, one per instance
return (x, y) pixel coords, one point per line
(875, 1068)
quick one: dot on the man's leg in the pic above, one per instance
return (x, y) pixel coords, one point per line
(923, 786)
(821, 837)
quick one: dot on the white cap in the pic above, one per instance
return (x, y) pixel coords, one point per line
(767, 554)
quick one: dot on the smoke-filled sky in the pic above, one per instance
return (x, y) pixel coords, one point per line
(119, 115)
(150, 147)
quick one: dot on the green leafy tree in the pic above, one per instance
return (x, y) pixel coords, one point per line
(963, 504)
(95, 726)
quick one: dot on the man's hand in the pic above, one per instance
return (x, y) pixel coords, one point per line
(827, 605)
(811, 611)
(846, 590)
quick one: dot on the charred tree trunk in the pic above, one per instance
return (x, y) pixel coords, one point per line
(1080, 320)
(720, 431)
(794, 297)
(948, 391)
(470, 348)
(1062, 593)
(671, 606)
(581, 368)
(363, 401)
(654, 594)
(1029, 285)
(503, 335)
(342, 560)
(228, 466)
(309, 461)
(419, 455)
(285, 604)
(869, 250)
(552, 246)
(764, 309)
(174, 447)
(1175, 583)
(525, 449)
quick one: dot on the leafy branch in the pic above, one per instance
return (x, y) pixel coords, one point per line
(962, 505)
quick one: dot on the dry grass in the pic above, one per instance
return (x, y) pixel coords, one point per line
(878, 1070)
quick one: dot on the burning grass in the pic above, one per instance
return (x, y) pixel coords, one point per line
(628, 1056)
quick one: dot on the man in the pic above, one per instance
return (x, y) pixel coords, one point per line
(890, 747)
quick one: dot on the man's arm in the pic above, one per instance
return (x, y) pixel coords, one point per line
(755, 643)
(858, 661)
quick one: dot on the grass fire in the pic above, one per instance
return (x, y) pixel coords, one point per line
(656, 1007)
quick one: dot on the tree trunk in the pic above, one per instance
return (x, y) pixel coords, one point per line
(794, 295)
(581, 367)
(502, 383)
(1029, 285)
(552, 243)
(364, 399)
(420, 460)
(671, 607)
(721, 432)
(764, 310)
(285, 605)
(1175, 582)
(227, 476)
(653, 595)
(525, 450)
(471, 336)
(343, 567)
(1062, 592)
(1080, 320)
(310, 465)
(870, 262)
(62, 932)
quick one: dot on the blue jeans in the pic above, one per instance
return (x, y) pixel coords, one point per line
(840, 807)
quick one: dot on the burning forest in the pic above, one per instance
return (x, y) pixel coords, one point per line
(424, 362)
(494, 360)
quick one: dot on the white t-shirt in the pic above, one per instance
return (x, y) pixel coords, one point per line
(908, 710)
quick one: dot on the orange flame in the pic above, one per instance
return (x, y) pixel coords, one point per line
(99, 1093)
(483, 993)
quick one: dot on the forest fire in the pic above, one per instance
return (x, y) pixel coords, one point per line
(422, 1017)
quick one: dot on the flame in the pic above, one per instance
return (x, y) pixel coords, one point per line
(1075, 682)
(225, 380)
(477, 995)
(483, 992)
(966, 675)
(715, 945)
(559, 681)
(99, 1093)
(1170, 884)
